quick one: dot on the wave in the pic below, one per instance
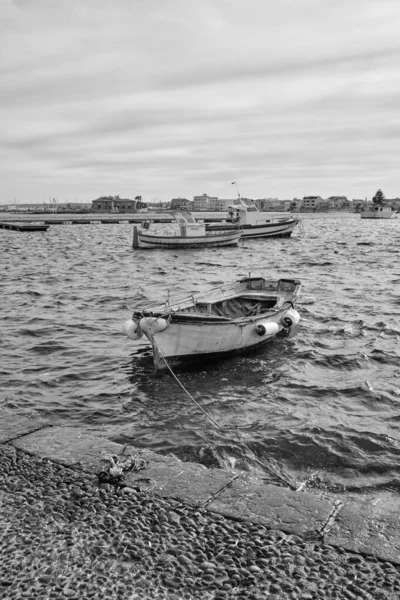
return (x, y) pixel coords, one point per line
(325, 400)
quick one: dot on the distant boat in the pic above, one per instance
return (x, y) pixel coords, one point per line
(231, 318)
(189, 234)
(378, 212)
(255, 224)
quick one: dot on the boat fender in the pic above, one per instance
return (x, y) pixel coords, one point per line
(132, 329)
(267, 328)
(153, 325)
(291, 318)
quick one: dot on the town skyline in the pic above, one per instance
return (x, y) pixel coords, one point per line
(204, 202)
(156, 199)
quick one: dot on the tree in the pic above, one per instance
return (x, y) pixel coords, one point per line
(379, 198)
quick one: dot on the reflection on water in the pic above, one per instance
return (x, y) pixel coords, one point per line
(323, 402)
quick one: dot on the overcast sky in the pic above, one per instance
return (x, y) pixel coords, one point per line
(168, 98)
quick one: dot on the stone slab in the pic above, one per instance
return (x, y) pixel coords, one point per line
(13, 425)
(369, 526)
(163, 475)
(70, 446)
(275, 507)
(171, 478)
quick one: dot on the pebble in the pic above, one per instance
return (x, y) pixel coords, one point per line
(151, 547)
(173, 517)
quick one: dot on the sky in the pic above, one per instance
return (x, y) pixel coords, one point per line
(175, 98)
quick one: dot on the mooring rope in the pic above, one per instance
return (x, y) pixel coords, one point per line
(270, 467)
(183, 387)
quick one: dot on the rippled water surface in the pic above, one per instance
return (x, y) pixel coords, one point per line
(323, 403)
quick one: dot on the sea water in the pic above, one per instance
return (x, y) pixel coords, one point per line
(322, 405)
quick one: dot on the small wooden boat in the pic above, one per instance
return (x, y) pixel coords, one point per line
(189, 234)
(255, 224)
(378, 212)
(231, 318)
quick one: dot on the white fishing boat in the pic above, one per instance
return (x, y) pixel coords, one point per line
(227, 319)
(254, 223)
(377, 212)
(186, 233)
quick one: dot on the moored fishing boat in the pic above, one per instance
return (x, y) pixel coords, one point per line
(189, 234)
(378, 212)
(255, 224)
(227, 319)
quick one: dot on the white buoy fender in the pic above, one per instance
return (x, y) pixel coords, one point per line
(267, 328)
(291, 318)
(153, 325)
(132, 329)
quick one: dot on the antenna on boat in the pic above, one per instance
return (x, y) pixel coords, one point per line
(234, 183)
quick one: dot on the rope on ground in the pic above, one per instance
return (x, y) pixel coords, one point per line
(115, 473)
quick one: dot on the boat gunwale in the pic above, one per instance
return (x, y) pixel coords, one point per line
(225, 292)
(235, 289)
(181, 317)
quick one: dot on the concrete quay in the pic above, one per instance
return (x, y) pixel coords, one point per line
(45, 219)
(72, 528)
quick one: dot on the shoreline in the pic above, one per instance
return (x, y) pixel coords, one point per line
(187, 531)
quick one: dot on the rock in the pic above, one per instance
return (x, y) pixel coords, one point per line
(173, 517)
(207, 565)
(254, 569)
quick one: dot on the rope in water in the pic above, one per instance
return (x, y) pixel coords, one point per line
(184, 389)
(270, 467)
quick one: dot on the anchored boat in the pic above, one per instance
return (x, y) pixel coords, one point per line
(255, 224)
(231, 318)
(189, 234)
(378, 212)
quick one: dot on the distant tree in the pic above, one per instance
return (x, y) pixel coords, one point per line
(379, 198)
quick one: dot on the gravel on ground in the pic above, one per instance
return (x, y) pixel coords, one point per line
(65, 536)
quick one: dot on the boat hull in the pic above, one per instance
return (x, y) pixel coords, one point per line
(194, 341)
(225, 238)
(264, 230)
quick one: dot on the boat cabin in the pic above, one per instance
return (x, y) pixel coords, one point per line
(249, 215)
(243, 214)
(188, 226)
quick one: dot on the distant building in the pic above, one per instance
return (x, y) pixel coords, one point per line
(359, 203)
(288, 205)
(266, 203)
(204, 202)
(310, 202)
(394, 202)
(223, 204)
(181, 204)
(314, 204)
(297, 204)
(322, 206)
(338, 203)
(115, 204)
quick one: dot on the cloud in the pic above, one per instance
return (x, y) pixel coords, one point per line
(185, 95)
